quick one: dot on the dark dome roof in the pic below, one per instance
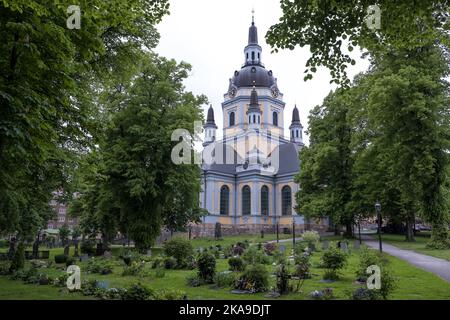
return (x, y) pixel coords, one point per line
(295, 115)
(253, 75)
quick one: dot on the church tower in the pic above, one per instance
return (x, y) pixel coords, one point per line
(210, 127)
(296, 128)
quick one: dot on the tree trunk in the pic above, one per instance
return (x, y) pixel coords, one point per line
(410, 229)
(348, 230)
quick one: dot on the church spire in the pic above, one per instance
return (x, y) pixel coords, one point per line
(296, 128)
(253, 50)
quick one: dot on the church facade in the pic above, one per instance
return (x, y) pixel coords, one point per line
(248, 175)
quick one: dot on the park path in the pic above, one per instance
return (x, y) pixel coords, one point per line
(439, 267)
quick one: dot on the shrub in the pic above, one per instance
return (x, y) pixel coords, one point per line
(254, 279)
(88, 247)
(333, 260)
(61, 280)
(137, 292)
(70, 261)
(60, 258)
(135, 269)
(170, 263)
(269, 248)
(225, 279)
(4, 268)
(238, 250)
(388, 283)
(367, 258)
(160, 273)
(283, 277)
(206, 264)
(236, 264)
(299, 249)
(99, 266)
(311, 237)
(302, 266)
(18, 260)
(193, 280)
(253, 256)
(157, 262)
(169, 294)
(180, 249)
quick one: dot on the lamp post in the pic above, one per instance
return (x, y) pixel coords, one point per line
(293, 232)
(378, 211)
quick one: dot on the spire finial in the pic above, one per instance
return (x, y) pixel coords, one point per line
(253, 15)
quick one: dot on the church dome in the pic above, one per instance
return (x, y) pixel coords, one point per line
(253, 75)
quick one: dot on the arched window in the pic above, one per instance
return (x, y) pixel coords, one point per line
(286, 201)
(296, 133)
(246, 202)
(224, 200)
(264, 201)
(247, 55)
(253, 55)
(254, 119)
(259, 56)
(231, 119)
(275, 118)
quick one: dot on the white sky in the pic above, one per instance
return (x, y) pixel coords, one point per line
(211, 36)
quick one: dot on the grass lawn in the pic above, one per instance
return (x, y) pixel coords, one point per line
(413, 283)
(418, 246)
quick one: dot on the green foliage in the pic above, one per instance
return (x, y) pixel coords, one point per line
(206, 264)
(333, 260)
(60, 258)
(283, 276)
(367, 258)
(179, 248)
(225, 279)
(302, 265)
(136, 268)
(253, 256)
(236, 264)
(332, 29)
(138, 292)
(18, 260)
(70, 261)
(88, 247)
(311, 237)
(170, 263)
(64, 233)
(99, 266)
(269, 248)
(254, 279)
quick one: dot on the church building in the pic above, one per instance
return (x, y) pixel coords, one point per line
(248, 175)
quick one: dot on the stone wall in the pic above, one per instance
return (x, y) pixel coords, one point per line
(207, 229)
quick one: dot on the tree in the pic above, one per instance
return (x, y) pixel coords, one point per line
(64, 233)
(140, 176)
(325, 169)
(48, 91)
(331, 29)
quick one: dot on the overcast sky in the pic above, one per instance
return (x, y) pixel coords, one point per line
(211, 36)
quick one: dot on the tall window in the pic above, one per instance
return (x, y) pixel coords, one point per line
(253, 55)
(231, 119)
(286, 201)
(224, 200)
(246, 202)
(264, 201)
(275, 118)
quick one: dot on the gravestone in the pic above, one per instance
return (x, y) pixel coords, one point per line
(107, 255)
(356, 245)
(325, 245)
(66, 250)
(312, 246)
(282, 248)
(344, 246)
(84, 258)
(103, 284)
(149, 253)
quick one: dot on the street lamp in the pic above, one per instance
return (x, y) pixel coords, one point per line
(378, 211)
